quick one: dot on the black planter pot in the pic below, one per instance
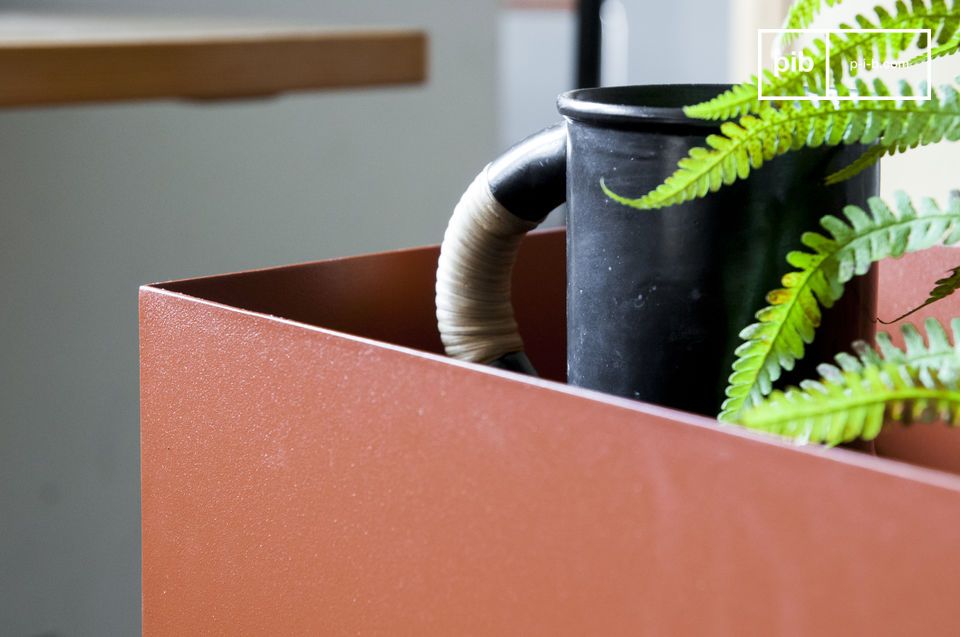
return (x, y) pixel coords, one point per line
(656, 299)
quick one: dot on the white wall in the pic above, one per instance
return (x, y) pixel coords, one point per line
(99, 199)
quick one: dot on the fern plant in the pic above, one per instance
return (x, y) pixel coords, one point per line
(856, 396)
(777, 340)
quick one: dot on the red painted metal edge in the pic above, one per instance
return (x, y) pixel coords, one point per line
(300, 477)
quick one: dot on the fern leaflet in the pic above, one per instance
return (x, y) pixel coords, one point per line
(950, 47)
(783, 329)
(938, 354)
(854, 398)
(869, 157)
(943, 50)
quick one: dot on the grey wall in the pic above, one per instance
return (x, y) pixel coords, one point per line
(681, 41)
(645, 43)
(536, 63)
(97, 200)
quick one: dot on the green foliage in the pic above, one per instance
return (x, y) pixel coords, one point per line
(948, 48)
(942, 289)
(783, 329)
(743, 99)
(845, 49)
(755, 140)
(802, 13)
(869, 157)
(854, 398)
(938, 354)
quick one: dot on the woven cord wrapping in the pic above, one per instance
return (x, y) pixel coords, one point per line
(479, 248)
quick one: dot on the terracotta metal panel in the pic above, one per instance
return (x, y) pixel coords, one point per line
(905, 284)
(299, 480)
(389, 297)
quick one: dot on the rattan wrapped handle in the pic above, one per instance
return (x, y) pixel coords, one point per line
(510, 197)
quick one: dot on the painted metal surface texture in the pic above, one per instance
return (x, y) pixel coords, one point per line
(301, 476)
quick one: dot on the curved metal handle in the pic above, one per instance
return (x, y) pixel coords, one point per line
(510, 197)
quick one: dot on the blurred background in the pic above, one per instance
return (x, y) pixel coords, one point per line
(99, 199)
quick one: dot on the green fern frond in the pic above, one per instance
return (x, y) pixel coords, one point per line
(783, 329)
(754, 140)
(856, 396)
(937, 354)
(801, 15)
(855, 405)
(869, 157)
(867, 48)
(740, 99)
(942, 289)
(948, 48)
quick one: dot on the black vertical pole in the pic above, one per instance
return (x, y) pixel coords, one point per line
(588, 44)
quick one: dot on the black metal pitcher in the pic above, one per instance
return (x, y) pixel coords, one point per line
(655, 299)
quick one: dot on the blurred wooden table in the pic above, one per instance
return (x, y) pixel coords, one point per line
(54, 59)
